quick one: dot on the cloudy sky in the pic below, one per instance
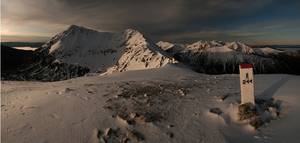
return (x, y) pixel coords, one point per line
(250, 21)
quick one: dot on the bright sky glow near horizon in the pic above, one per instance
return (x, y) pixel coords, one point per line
(249, 21)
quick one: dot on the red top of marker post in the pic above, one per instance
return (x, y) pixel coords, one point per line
(246, 66)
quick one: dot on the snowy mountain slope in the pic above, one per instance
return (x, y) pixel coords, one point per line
(96, 50)
(267, 51)
(127, 50)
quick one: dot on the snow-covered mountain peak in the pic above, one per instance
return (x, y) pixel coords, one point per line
(240, 47)
(216, 43)
(135, 38)
(212, 46)
(75, 27)
(127, 50)
(131, 31)
(165, 45)
(202, 45)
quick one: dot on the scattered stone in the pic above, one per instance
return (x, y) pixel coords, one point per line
(109, 135)
(125, 140)
(256, 122)
(90, 91)
(222, 97)
(217, 111)
(140, 120)
(108, 132)
(123, 120)
(68, 89)
(135, 136)
(107, 107)
(181, 92)
(132, 115)
(274, 112)
(170, 126)
(59, 92)
(170, 134)
(97, 136)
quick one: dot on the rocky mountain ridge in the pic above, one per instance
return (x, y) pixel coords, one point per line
(79, 50)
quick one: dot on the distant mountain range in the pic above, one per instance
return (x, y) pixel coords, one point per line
(78, 50)
(23, 44)
(217, 57)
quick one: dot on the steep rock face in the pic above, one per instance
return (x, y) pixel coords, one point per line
(218, 57)
(100, 51)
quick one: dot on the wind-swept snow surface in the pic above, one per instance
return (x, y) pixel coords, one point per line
(169, 104)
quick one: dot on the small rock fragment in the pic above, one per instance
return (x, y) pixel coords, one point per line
(217, 111)
(132, 115)
(222, 97)
(68, 89)
(181, 92)
(256, 122)
(274, 112)
(135, 136)
(170, 126)
(90, 91)
(123, 120)
(140, 120)
(170, 134)
(108, 132)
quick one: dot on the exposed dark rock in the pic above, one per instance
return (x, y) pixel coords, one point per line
(257, 122)
(222, 97)
(264, 111)
(135, 135)
(170, 134)
(247, 110)
(217, 111)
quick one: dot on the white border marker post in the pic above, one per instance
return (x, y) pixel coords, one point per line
(247, 83)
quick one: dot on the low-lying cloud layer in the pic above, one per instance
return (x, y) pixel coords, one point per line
(253, 21)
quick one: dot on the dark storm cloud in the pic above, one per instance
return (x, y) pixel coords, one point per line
(173, 20)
